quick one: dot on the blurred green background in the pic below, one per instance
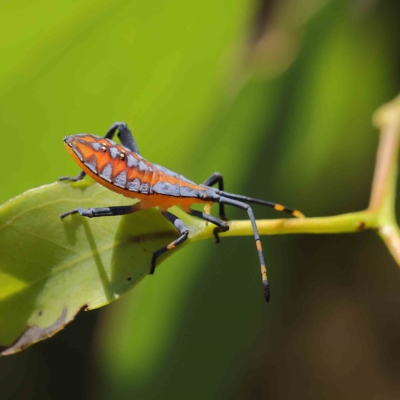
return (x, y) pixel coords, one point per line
(278, 97)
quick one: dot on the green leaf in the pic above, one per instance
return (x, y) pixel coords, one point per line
(52, 268)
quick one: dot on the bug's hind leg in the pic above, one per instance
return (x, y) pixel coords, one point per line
(103, 211)
(275, 206)
(216, 177)
(181, 228)
(222, 226)
(247, 208)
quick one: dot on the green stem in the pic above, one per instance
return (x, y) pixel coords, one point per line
(346, 223)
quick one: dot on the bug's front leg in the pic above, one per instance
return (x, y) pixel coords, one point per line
(103, 211)
(80, 176)
(181, 228)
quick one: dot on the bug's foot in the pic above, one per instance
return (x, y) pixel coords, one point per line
(74, 211)
(153, 265)
(218, 230)
(69, 178)
(80, 176)
(266, 290)
(215, 232)
(84, 212)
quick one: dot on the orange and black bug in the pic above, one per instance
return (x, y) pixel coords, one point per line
(122, 169)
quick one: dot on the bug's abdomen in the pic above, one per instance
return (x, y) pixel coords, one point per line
(111, 164)
(126, 172)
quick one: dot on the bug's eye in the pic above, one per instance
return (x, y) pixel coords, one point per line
(121, 155)
(103, 148)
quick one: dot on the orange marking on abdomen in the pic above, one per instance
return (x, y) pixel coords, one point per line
(147, 175)
(155, 177)
(117, 167)
(102, 160)
(86, 151)
(133, 174)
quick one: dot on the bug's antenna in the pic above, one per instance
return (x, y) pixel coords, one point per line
(244, 206)
(275, 206)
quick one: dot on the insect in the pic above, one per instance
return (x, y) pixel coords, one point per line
(122, 169)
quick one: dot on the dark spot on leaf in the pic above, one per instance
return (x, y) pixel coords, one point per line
(149, 237)
(40, 313)
(129, 278)
(361, 226)
(144, 249)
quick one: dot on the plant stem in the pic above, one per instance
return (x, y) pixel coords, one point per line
(383, 193)
(346, 223)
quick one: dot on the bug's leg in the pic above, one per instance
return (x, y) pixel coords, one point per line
(80, 176)
(275, 206)
(181, 228)
(216, 177)
(103, 211)
(124, 134)
(222, 226)
(246, 207)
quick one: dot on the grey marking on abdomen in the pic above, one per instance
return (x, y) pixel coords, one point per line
(143, 167)
(120, 180)
(132, 162)
(114, 152)
(91, 163)
(166, 189)
(187, 191)
(107, 172)
(144, 188)
(97, 146)
(134, 185)
(76, 151)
